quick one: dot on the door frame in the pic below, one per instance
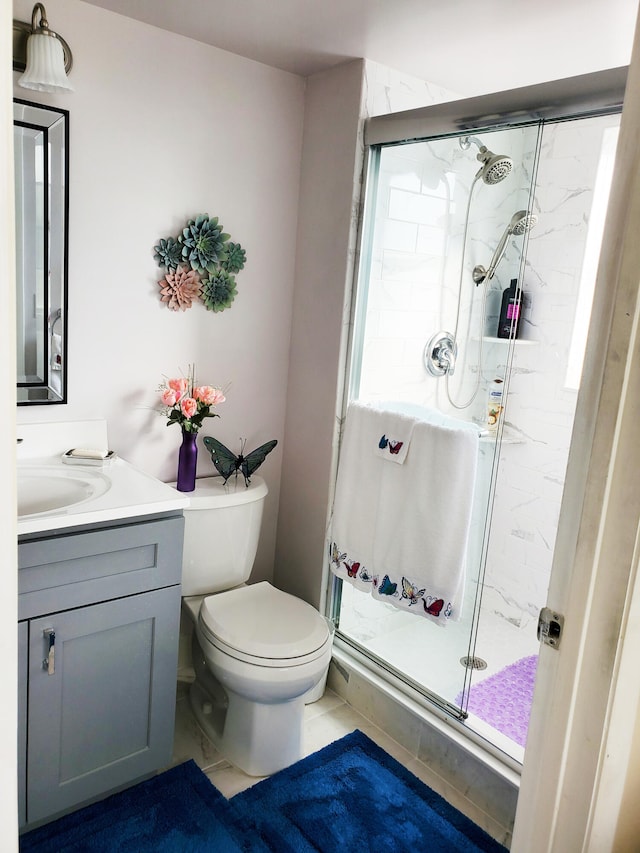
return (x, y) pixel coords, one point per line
(574, 791)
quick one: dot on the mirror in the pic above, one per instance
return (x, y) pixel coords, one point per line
(41, 151)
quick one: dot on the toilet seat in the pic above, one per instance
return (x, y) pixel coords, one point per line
(269, 663)
(264, 626)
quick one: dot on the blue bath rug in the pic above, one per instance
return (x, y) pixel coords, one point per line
(353, 797)
(178, 811)
(350, 797)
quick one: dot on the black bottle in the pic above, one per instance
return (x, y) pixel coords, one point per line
(509, 322)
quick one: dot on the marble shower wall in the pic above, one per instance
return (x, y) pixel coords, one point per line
(414, 281)
(559, 274)
(416, 259)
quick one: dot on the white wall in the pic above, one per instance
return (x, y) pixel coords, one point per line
(9, 582)
(163, 128)
(326, 236)
(337, 102)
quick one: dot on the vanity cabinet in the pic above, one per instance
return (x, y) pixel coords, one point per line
(99, 614)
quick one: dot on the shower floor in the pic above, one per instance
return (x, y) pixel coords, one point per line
(430, 654)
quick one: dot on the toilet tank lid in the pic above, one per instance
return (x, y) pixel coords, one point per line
(214, 493)
(263, 621)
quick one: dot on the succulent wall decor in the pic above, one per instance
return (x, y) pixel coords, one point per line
(201, 263)
(179, 288)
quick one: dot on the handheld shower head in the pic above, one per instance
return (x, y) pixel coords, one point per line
(523, 222)
(520, 223)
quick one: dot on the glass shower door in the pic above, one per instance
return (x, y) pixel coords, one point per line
(441, 243)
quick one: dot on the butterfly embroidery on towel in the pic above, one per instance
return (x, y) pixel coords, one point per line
(386, 587)
(411, 592)
(365, 576)
(227, 463)
(352, 570)
(394, 446)
(336, 557)
(433, 606)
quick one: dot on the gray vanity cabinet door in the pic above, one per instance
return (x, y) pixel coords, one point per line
(23, 661)
(101, 708)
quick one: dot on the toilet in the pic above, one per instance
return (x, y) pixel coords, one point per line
(259, 654)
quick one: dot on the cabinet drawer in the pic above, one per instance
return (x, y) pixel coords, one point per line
(76, 569)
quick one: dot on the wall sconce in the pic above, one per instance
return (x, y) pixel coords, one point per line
(43, 55)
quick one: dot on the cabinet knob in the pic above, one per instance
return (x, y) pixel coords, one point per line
(49, 663)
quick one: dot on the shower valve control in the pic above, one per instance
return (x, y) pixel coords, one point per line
(440, 354)
(550, 626)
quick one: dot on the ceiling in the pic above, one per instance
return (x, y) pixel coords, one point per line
(468, 46)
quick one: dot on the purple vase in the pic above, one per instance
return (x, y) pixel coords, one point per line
(187, 462)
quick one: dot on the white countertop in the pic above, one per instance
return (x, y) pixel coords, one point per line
(131, 493)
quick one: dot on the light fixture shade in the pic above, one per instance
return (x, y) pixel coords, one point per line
(45, 70)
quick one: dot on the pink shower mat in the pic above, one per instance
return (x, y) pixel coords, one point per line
(504, 700)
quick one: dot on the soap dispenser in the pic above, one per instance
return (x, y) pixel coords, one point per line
(509, 322)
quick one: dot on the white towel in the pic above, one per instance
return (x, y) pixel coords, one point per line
(401, 531)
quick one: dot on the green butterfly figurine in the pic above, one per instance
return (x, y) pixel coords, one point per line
(227, 463)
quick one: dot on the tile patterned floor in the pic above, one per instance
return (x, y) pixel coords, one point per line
(325, 721)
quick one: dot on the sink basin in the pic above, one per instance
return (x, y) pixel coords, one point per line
(45, 489)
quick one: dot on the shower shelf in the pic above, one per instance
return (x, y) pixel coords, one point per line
(506, 439)
(518, 341)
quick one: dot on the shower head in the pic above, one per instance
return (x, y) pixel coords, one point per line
(520, 223)
(495, 167)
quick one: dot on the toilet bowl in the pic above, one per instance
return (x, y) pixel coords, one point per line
(265, 673)
(258, 653)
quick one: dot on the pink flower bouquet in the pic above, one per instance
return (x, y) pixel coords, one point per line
(188, 404)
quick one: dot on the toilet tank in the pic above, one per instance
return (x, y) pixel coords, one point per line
(222, 528)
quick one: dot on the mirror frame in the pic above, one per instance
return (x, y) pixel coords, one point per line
(52, 387)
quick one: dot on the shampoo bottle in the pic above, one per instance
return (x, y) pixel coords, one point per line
(509, 322)
(494, 405)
